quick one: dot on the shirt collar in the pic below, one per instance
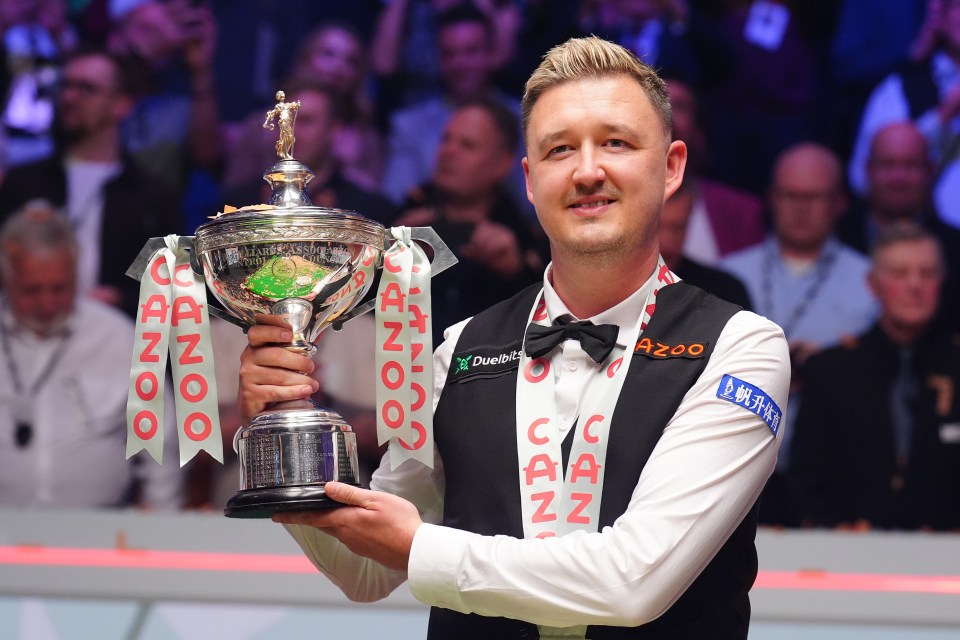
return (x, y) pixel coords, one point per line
(623, 314)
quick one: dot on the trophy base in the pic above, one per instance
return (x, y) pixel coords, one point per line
(287, 455)
(263, 503)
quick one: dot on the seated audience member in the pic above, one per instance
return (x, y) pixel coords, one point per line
(674, 220)
(465, 41)
(804, 279)
(333, 57)
(899, 187)
(173, 128)
(112, 203)
(466, 202)
(877, 442)
(35, 38)
(721, 219)
(404, 48)
(316, 124)
(926, 91)
(63, 381)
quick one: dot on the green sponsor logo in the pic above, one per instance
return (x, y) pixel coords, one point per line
(463, 364)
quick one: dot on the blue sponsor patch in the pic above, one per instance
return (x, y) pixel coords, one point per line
(753, 399)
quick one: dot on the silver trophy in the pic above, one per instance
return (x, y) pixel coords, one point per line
(306, 267)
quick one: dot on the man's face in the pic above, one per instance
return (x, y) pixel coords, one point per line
(471, 159)
(314, 129)
(599, 167)
(906, 279)
(336, 59)
(89, 99)
(41, 289)
(806, 201)
(465, 59)
(899, 173)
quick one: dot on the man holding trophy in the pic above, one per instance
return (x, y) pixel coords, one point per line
(601, 439)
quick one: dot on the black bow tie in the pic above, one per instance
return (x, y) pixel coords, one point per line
(596, 340)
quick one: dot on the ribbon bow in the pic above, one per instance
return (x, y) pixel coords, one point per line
(596, 340)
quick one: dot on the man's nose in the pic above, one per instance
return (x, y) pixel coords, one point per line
(589, 169)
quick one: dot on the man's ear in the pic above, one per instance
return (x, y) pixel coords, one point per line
(525, 163)
(676, 165)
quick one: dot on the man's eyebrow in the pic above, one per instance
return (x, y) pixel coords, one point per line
(550, 138)
(608, 129)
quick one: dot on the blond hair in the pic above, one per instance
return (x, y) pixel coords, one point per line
(592, 58)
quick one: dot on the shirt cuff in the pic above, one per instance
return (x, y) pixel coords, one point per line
(433, 569)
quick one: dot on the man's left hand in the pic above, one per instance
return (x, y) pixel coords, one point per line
(373, 524)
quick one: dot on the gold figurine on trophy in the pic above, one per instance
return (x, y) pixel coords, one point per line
(285, 114)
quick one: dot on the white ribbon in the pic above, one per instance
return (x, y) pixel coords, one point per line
(404, 353)
(554, 503)
(172, 317)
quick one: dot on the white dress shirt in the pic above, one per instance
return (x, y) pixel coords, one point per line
(76, 455)
(700, 481)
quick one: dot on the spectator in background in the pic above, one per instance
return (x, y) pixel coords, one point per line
(804, 279)
(674, 220)
(318, 120)
(406, 50)
(36, 36)
(926, 91)
(877, 442)
(665, 34)
(467, 203)
(863, 52)
(466, 39)
(113, 205)
(766, 104)
(332, 57)
(720, 219)
(899, 187)
(63, 381)
(173, 128)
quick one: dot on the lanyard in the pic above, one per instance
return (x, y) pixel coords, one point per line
(24, 427)
(822, 271)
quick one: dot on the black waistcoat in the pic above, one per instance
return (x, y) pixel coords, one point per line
(475, 431)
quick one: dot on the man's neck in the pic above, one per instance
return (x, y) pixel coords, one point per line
(801, 253)
(100, 147)
(589, 285)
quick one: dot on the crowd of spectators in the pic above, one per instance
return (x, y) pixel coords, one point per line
(816, 130)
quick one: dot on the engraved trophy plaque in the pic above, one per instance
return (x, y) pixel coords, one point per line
(308, 267)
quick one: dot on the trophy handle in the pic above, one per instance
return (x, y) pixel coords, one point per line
(151, 246)
(443, 259)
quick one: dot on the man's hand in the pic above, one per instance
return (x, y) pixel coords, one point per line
(376, 525)
(495, 246)
(269, 373)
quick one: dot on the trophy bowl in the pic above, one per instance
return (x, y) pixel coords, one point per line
(290, 263)
(305, 267)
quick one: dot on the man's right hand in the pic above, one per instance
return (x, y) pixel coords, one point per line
(269, 373)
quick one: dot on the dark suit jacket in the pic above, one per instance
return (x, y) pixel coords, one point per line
(135, 208)
(843, 461)
(720, 283)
